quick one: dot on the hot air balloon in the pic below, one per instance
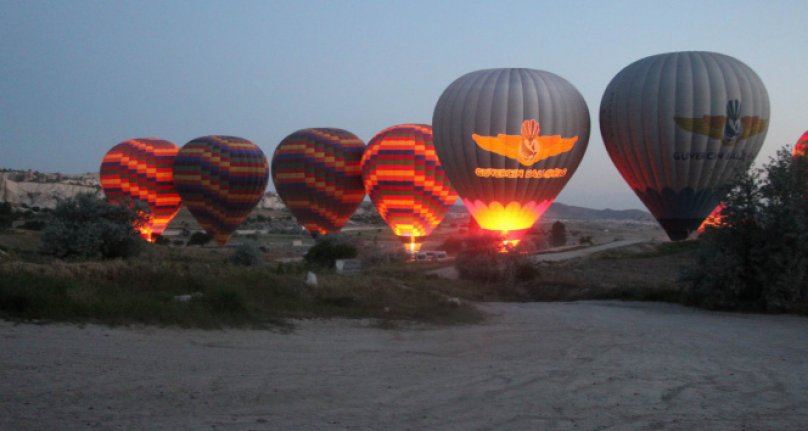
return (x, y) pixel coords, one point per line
(406, 182)
(509, 140)
(680, 125)
(140, 170)
(801, 149)
(221, 179)
(317, 175)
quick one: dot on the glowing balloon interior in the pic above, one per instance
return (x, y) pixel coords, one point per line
(141, 170)
(221, 179)
(318, 176)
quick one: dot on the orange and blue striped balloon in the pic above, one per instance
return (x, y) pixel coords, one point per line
(406, 182)
(221, 179)
(317, 175)
(141, 170)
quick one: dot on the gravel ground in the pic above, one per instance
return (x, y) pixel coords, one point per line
(583, 365)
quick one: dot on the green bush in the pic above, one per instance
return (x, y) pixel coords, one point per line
(247, 254)
(199, 238)
(88, 227)
(558, 235)
(7, 215)
(757, 257)
(327, 250)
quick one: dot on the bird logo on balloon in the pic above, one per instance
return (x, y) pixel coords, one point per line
(729, 129)
(529, 147)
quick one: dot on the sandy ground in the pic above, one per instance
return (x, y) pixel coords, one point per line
(586, 365)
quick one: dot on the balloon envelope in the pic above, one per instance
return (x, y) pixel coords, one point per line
(509, 140)
(801, 149)
(221, 179)
(678, 126)
(317, 175)
(141, 170)
(406, 182)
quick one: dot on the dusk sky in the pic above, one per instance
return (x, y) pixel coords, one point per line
(77, 77)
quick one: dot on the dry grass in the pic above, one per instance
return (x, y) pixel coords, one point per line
(143, 290)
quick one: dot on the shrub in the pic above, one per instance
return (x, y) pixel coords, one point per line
(33, 224)
(248, 254)
(482, 259)
(558, 235)
(756, 258)
(452, 245)
(6, 215)
(327, 250)
(88, 227)
(199, 238)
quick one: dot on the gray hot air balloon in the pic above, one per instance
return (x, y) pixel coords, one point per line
(509, 140)
(680, 125)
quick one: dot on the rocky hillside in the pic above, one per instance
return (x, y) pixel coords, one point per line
(36, 189)
(44, 190)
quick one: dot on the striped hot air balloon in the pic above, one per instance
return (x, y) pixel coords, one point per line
(221, 179)
(141, 170)
(317, 175)
(406, 182)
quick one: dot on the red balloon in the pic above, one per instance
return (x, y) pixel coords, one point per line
(141, 170)
(406, 182)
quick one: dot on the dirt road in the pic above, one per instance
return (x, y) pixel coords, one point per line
(587, 365)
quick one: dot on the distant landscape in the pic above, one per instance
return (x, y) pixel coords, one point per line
(32, 189)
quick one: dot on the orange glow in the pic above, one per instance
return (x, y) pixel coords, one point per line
(412, 246)
(408, 230)
(508, 218)
(801, 149)
(146, 233)
(712, 220)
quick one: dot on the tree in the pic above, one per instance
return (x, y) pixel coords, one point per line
(6, 215)
(756, 258)
(328, 249)
(88, 227)
(558, 235)
(247, 254)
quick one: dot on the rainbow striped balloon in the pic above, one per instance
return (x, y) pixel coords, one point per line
(317, 174)
(140, 170)
(221, 179)
(406, 182)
